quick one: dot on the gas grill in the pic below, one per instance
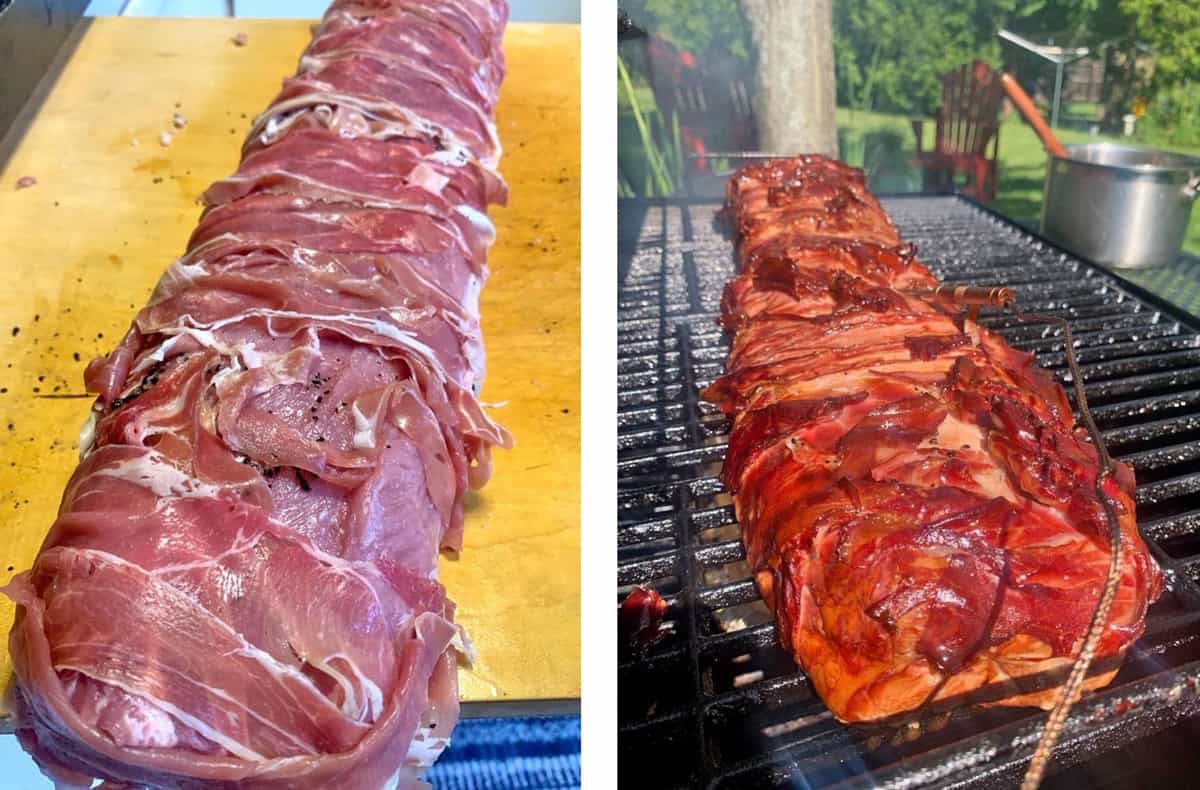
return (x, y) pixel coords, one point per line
(716, 702)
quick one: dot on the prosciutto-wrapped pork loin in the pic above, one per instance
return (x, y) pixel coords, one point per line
(240, 587)
(914, 498)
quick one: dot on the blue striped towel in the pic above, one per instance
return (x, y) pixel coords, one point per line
(510, 754)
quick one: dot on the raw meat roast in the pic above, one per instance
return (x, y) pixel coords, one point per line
(914, 499)
(240, 587)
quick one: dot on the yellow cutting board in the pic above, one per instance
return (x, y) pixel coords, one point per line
(112, 206)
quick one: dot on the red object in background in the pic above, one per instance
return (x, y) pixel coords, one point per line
(693, 144)
(709, 96)
(665, 63)
(968, 124)
(1018, 96)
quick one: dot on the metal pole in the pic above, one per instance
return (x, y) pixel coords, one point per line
(1058, 75)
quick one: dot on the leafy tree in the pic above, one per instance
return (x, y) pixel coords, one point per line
(891, 53)
(1171, 28)
(1151, 49)
(1071, 22)
(697, 26)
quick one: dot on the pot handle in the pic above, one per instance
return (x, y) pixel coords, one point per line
(1192, 188)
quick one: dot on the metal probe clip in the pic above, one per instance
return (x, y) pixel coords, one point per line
(738, 155)
(972, 297)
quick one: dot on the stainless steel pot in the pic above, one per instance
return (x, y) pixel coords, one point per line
(1120, 206)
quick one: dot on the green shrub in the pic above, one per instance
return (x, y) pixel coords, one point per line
(1172, 118)
(884, 153)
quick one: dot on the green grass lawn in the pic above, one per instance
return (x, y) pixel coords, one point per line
(1021, 167)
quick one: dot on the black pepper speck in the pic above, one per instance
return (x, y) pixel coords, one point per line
(300, 479)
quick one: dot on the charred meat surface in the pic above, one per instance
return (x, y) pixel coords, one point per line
(915, 500)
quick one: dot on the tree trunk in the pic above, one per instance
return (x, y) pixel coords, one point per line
(795, 97)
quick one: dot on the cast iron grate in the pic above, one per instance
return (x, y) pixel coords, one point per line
(716, 702)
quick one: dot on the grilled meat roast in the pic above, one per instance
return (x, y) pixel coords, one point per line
(240, 588)
(915, 501)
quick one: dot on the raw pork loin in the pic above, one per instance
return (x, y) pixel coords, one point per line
(915, 502)
(241, 585)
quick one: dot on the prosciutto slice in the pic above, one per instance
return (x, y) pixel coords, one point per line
(915, 501)
(241, 584)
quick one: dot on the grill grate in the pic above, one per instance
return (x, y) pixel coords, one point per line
(716, 702)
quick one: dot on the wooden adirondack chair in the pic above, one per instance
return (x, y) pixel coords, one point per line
(968, 124)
